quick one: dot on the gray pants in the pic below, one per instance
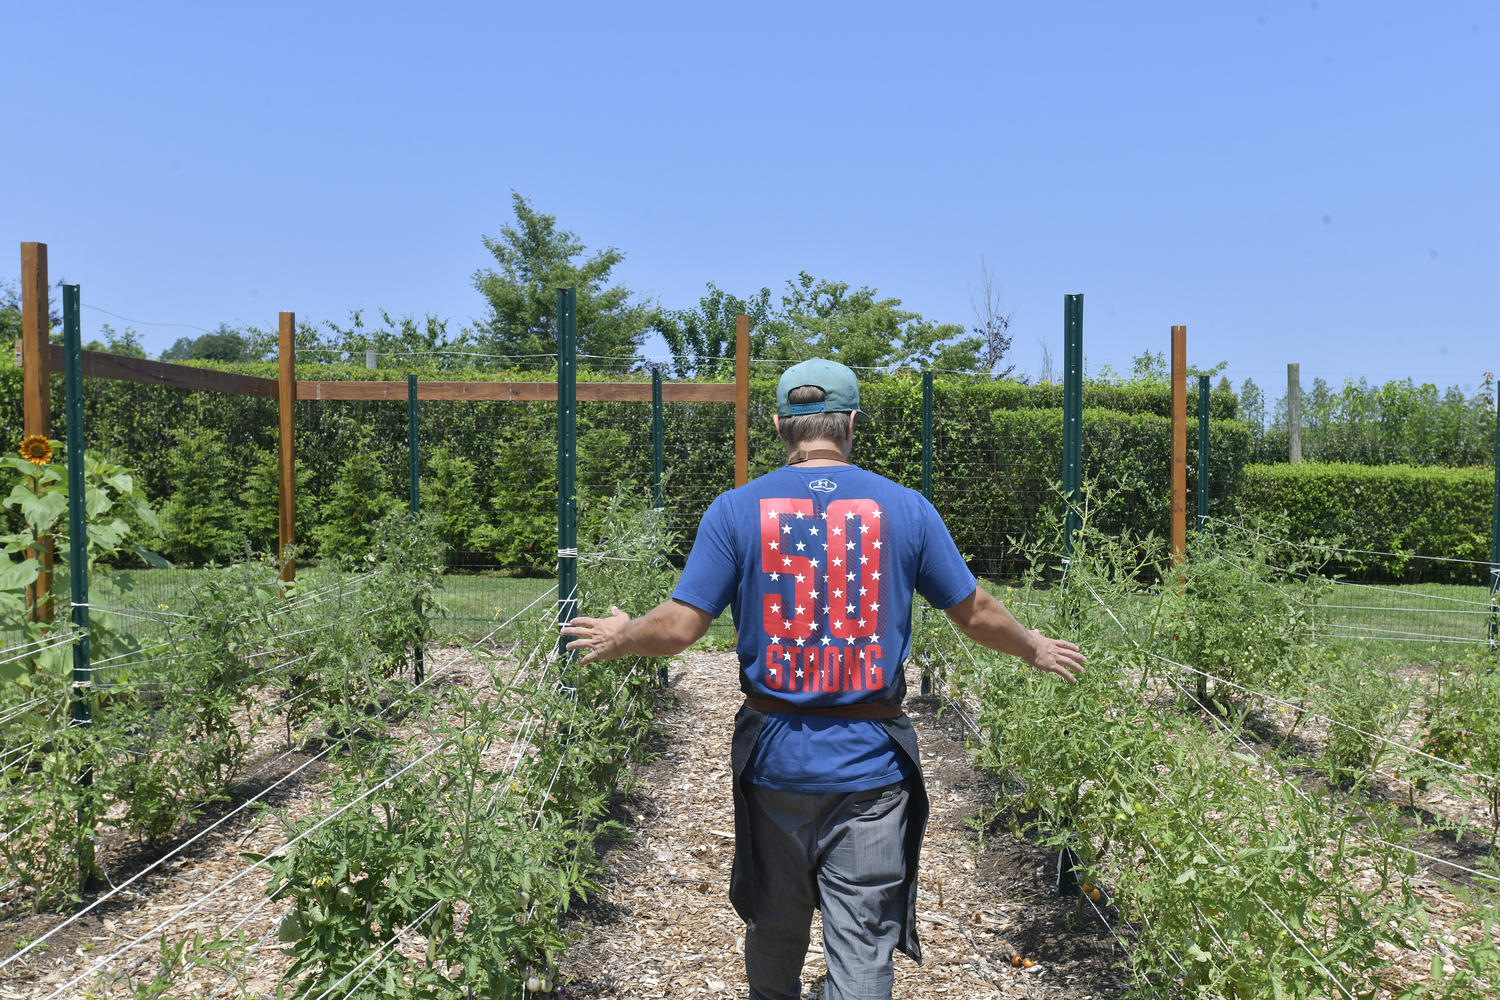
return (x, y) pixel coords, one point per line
(842, 852)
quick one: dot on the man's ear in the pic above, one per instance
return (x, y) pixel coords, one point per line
(776, 422)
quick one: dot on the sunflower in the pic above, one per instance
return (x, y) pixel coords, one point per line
(36, 449)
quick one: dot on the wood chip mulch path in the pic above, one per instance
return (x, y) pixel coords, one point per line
(662, 926)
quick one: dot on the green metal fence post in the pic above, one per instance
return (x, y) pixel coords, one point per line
(78, 563)
(1072, 415)
(657, 500)
(926, 474)
(567, 459)
(1203, 390)
(414, 470)
(1495, 545)
(927, 435)
(411, 444)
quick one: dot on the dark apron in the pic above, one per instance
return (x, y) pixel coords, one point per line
(747, 727)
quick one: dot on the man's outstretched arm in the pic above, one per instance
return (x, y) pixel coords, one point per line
(666, 629)
(985, 620)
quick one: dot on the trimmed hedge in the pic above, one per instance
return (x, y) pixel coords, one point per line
(1413, 510)
(998, 452)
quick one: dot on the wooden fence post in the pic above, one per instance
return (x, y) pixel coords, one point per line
(286, 402)
(741, 400)
(36, 382)
(1179, 442)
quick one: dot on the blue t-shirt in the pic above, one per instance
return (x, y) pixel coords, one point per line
(819, 566)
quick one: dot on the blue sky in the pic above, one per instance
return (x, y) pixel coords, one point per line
(1310, 182)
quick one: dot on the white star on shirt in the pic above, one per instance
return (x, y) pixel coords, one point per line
(861, 623)
(825, 607)
(786, 560)
(772, 514)
(848, 515)
(849, 544)
(849, 639)
(877, 512)
(814, 594)
(849, 609)
(801, 578)
(776, 607)
(838, 625)
(826, 640)
(835, 531)
(838, 593)
(800, 609)
(799, 515)
(799, 671)
(874, 638)
(823, 514)
(837, 561)
(775, 545)
(851, 576)
(799, 640)
(876, 574)
(863, 560)
(874, 607)
(801, 546)
(862, 592)
(776, 576)
(812, 531)
(863, 528)
(877, 543)
(786, 529)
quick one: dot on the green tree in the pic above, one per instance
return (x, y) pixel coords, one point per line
(535, 259)
(703, 339)
(260, 517)
(448, 493)
(410, 340)
(127, 344)
(221, 344)
(360, 497)
(826, 319)
(200, 523)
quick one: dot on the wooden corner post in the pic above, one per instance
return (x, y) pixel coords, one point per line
(36, 384)
(741, 400)
(286, 407)
(1179, 442)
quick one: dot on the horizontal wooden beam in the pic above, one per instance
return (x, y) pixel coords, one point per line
(101, 364)
(521, 392)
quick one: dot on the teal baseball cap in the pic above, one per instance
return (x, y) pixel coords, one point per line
(840, 389)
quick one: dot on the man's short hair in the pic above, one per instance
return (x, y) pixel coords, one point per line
(812, 426)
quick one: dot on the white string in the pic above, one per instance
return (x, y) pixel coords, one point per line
(283, 847)
(1251, 750)
(202, 833)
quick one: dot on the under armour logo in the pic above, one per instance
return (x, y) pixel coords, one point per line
(824, 485)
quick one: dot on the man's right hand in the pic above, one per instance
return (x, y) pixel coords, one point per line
(984, 619)
(1055, 656)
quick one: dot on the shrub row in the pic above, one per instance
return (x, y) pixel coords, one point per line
(210, 459)
(1402, 509)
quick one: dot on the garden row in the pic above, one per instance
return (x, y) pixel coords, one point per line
(1199, 846)
(460, 818)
